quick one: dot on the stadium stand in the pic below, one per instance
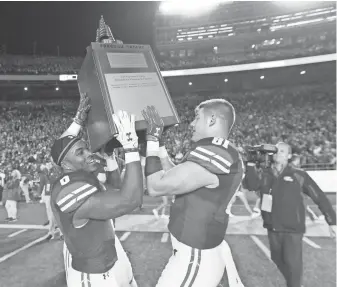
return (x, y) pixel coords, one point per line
(303, 114)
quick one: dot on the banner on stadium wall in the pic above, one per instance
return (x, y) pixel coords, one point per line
(191, 72)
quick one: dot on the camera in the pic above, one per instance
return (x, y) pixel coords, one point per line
(261, 155)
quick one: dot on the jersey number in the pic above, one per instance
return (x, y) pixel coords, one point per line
(64, 180)
(220, 141)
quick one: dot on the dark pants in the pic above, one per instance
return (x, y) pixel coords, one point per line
(286, 253)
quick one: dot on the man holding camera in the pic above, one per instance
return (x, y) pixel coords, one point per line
(283, 210)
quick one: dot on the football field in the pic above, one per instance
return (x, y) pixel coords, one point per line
(28, 259)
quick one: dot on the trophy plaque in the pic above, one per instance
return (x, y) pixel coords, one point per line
(122, 77)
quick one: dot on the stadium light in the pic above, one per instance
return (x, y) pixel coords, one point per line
(189, 7)
(190, 83)
(25, 88)
(57, 88)
(262, 77)
(225, 80)
(303, 72)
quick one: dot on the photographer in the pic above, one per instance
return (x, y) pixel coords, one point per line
(283, 210)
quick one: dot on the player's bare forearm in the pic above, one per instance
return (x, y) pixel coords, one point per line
(110, 205)
(113, 179)
(154, 186)
(106, 205)
(183, 178)
(166, 163)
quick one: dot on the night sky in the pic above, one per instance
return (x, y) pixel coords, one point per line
(71, 25)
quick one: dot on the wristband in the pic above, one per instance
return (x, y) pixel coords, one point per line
(111, 164)
(162, 152)
(251, 164)
(151, 138)
(77, 121)
(130, 150)
(152, 147)
(131, 157)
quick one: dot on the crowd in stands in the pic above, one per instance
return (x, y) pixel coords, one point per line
(291, 47)
(304, 116)
(280, 49)
(36, 65)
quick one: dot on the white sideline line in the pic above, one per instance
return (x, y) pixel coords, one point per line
(22, 226)
(11, 254)
(164, 238)
(17, 232)
(260, 244)
(311, 243)
(124, 236)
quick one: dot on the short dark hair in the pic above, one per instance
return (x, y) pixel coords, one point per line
(221, 107)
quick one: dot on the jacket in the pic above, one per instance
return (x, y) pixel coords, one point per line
(287, 190)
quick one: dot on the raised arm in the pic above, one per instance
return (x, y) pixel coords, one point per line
(165, 160)
(180, 179)
(109, 205)
(113, 175)
(80, 117)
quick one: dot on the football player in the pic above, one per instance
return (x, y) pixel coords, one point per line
(203, 184)
(83, 207)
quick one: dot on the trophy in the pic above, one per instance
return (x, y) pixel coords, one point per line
(119, 76)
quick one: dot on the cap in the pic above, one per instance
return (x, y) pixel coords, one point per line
(61, 147)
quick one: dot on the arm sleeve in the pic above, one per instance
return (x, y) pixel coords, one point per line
(311, 189)
(74, 193)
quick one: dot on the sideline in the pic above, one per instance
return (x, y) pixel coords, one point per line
(260, 244)
(311, 243)
(30, 244)
(17, 233)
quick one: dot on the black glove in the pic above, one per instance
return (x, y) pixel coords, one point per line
(155, 124)
(82, 110)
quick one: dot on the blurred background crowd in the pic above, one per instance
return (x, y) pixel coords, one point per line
(304, 116)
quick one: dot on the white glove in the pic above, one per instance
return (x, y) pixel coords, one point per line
(125, 125)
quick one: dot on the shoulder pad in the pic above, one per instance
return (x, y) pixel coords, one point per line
(215, 154)
(74, 189)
